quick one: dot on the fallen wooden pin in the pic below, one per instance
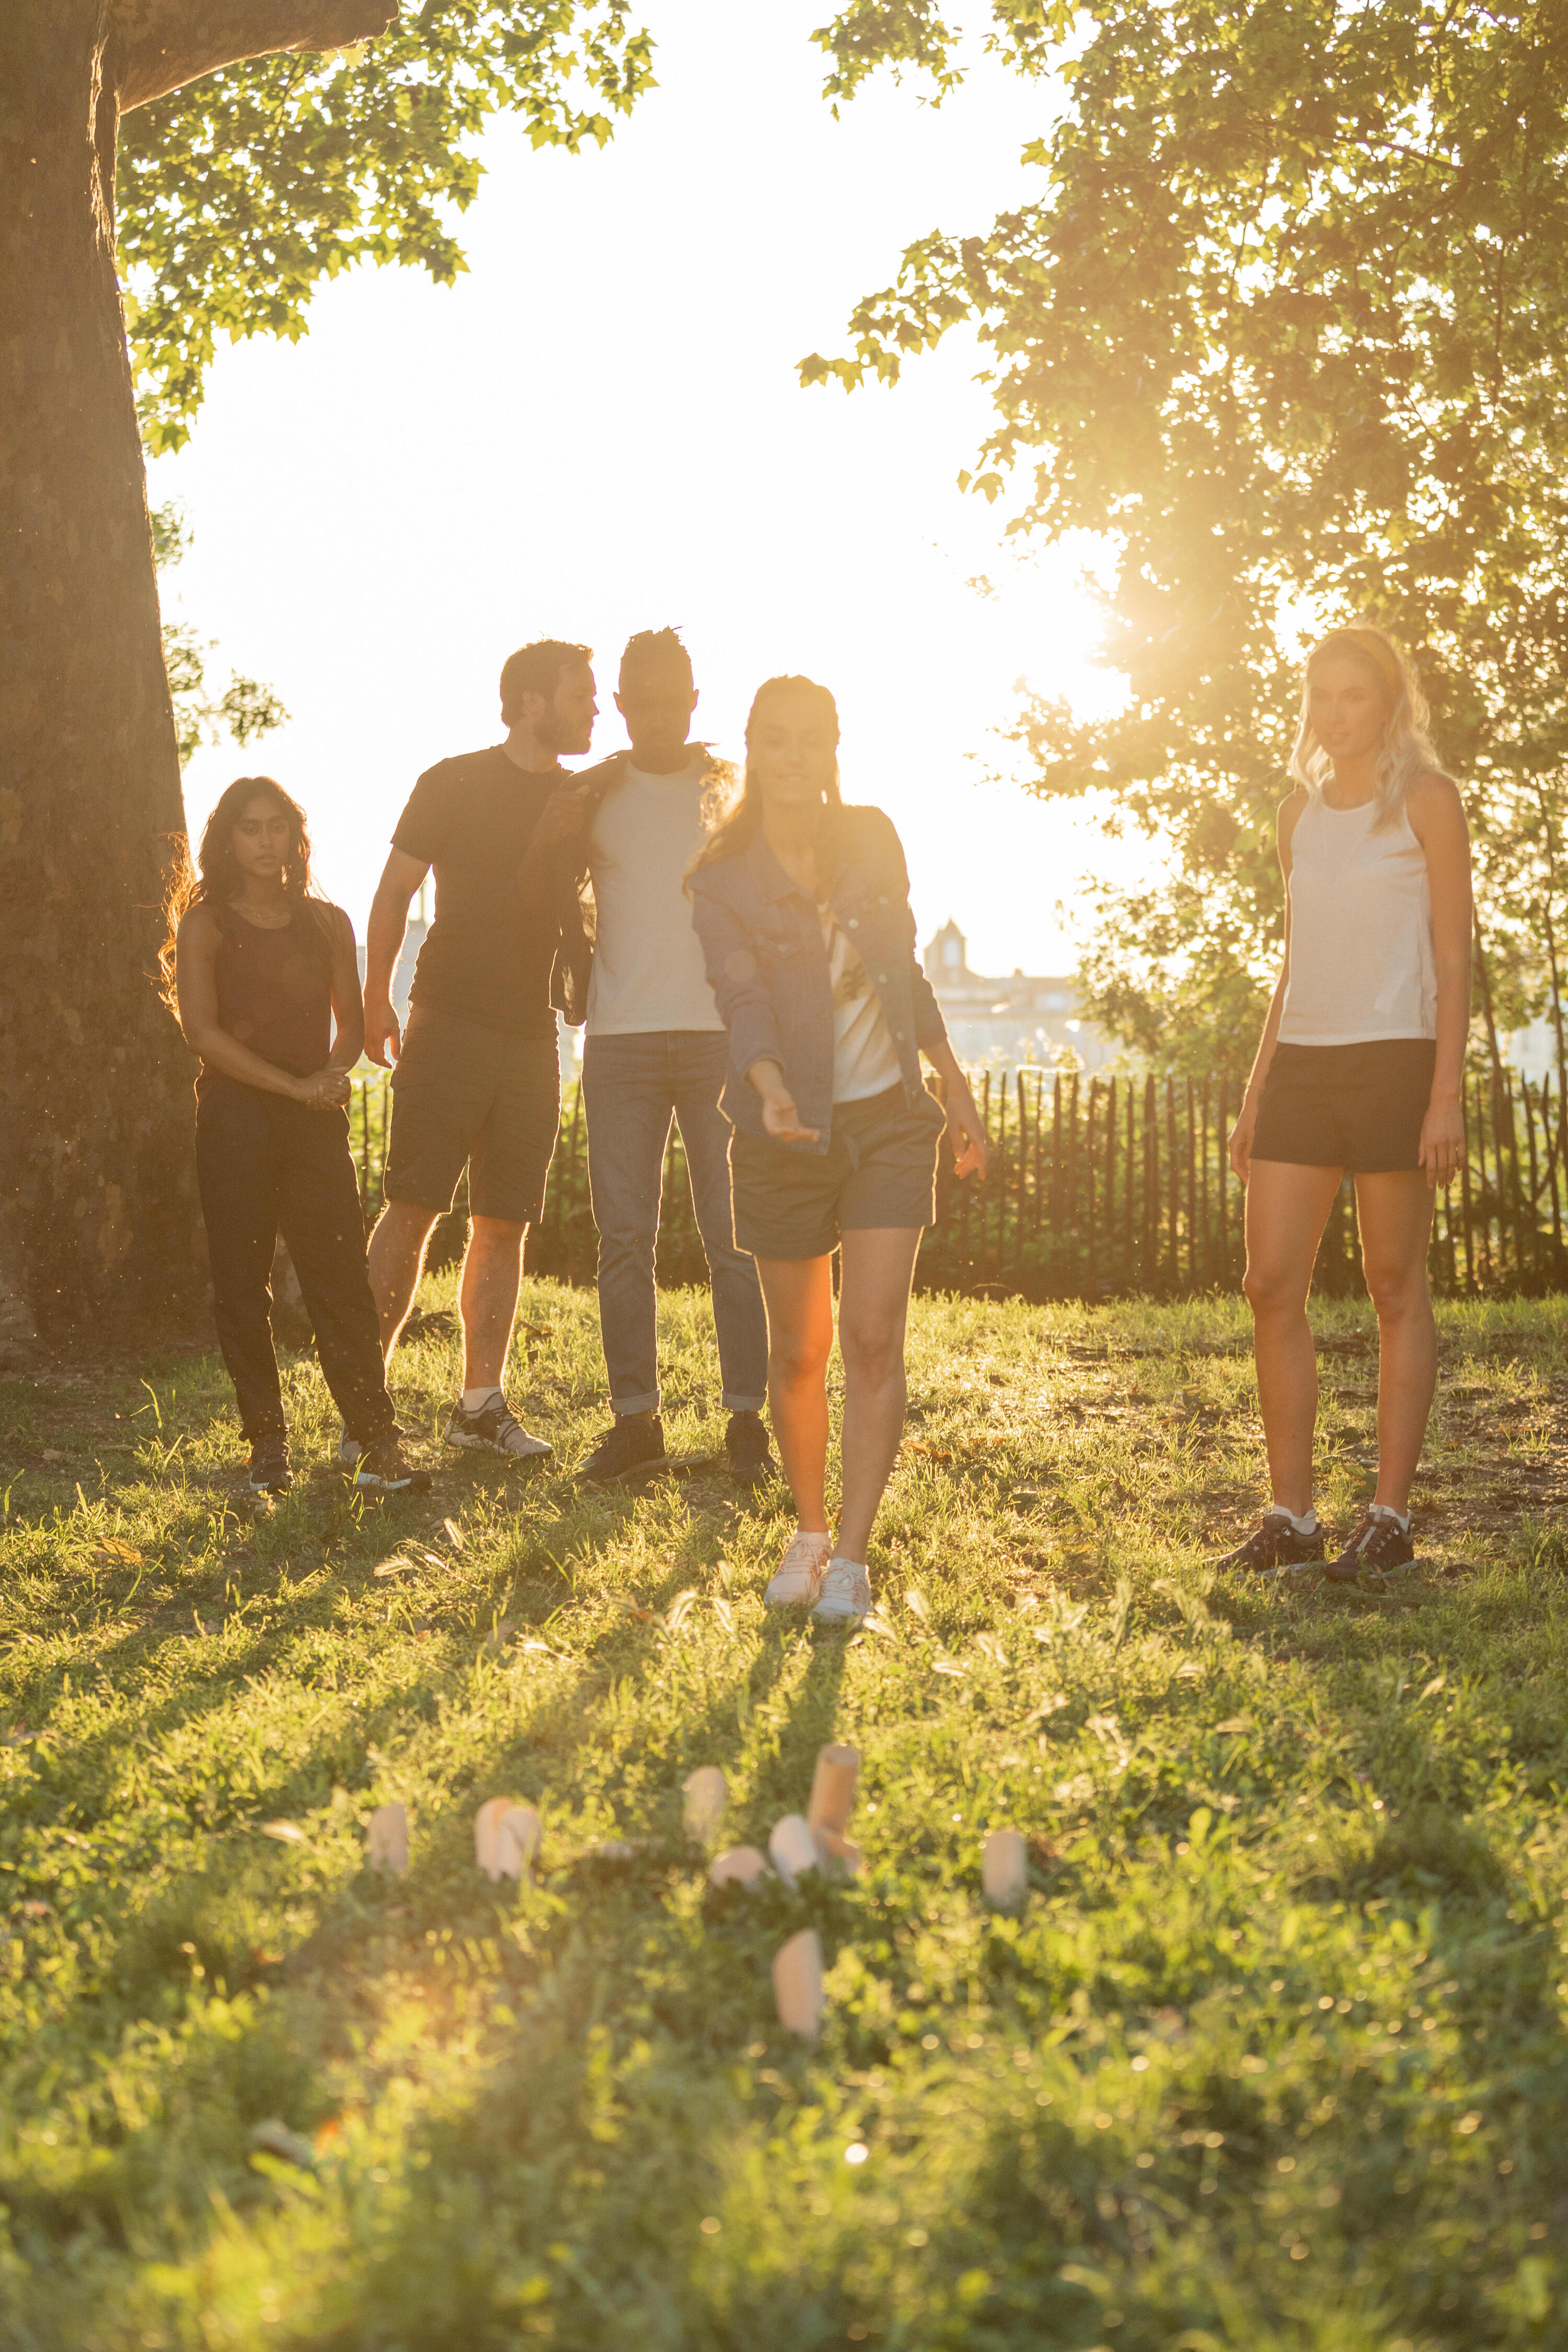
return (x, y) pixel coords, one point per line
(793, 1848)
(797, 1984)
(707, 1793)
(742, 1865)
(389, 1839)
(1004, 1869)
(506, 1838)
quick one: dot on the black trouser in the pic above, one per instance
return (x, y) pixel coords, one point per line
(265, 1163)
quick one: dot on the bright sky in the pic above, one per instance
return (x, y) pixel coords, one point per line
(600, 429)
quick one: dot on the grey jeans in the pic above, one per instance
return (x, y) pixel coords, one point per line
(633, 1087)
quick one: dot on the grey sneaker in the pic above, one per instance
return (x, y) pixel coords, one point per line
(494, 1429)
(845, 1593)
(349, 1453)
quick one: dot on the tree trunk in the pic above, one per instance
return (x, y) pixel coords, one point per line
(97, 1194)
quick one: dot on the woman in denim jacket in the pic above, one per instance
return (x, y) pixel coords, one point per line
(802, 906)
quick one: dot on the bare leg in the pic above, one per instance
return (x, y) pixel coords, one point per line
(799, 1293)
(486, 1303)
(1286, 1208)
(873, 1309)
(1394, 1212)
(396, 1260)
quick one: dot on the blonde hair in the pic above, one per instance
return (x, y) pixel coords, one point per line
(733, 817)
(1407, 748)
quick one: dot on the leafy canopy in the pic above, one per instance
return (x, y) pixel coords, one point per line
(239, 193)
(1285, 325)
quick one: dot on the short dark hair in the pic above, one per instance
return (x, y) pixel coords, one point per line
(536, 670)
(655, 649)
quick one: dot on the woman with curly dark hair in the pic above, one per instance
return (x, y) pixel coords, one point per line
(258, 967)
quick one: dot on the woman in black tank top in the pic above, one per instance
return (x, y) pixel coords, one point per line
(256, 967)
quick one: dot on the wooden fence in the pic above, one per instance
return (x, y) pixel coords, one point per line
(1103, 1187)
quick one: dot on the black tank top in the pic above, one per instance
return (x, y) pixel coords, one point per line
(275, 990)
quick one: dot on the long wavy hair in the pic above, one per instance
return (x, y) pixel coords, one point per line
(735, 818)
(215, 879)
(1407, 748)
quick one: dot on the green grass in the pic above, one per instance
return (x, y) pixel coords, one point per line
(1275, 2058)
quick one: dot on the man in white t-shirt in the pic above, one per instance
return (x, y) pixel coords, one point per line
(656, 1050)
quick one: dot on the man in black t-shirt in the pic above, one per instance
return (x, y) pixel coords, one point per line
(477, 1081)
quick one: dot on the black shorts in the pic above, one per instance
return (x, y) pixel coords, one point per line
(1355, 1106)
(463, 1094)
(879, 1171)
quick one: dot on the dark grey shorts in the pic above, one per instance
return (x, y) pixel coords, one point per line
(879, 1171)
(465, 1095)
(1355, 1106)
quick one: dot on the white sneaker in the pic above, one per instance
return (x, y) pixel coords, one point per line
(797, 1580)
(845, 1593)
(349, 1452)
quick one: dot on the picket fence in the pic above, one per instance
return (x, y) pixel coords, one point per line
(1102, 1188)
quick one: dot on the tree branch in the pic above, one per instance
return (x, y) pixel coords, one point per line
(160, 44)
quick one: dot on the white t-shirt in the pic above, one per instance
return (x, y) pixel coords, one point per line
(649, 971)
(865, 1059)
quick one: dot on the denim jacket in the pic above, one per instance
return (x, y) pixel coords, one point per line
(767, 964)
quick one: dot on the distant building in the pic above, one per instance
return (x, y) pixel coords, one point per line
(1008, 1023)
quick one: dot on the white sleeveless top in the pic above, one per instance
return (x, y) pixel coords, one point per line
(1362, 963)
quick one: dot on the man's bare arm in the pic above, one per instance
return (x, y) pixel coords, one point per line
(401, 876)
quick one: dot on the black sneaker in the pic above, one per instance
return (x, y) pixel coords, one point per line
(270, 1471)
(384, 1469)
(746, 1446)
(495, 1429)
(1274, 1548)
(629, 1443)
(1379, 1542)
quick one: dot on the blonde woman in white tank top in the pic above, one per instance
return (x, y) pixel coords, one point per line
(1358, 1071)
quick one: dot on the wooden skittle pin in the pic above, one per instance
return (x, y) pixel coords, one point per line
(832, 1787)
(743, 1865)
(792, 1848)
(517, 1836)
(389, 1839)
(797, 1984)
(1004, 1869)
(707, 1792)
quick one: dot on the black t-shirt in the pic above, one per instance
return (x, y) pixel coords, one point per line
(472, 819)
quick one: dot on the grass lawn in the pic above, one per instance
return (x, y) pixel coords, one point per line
(1276, 2057)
